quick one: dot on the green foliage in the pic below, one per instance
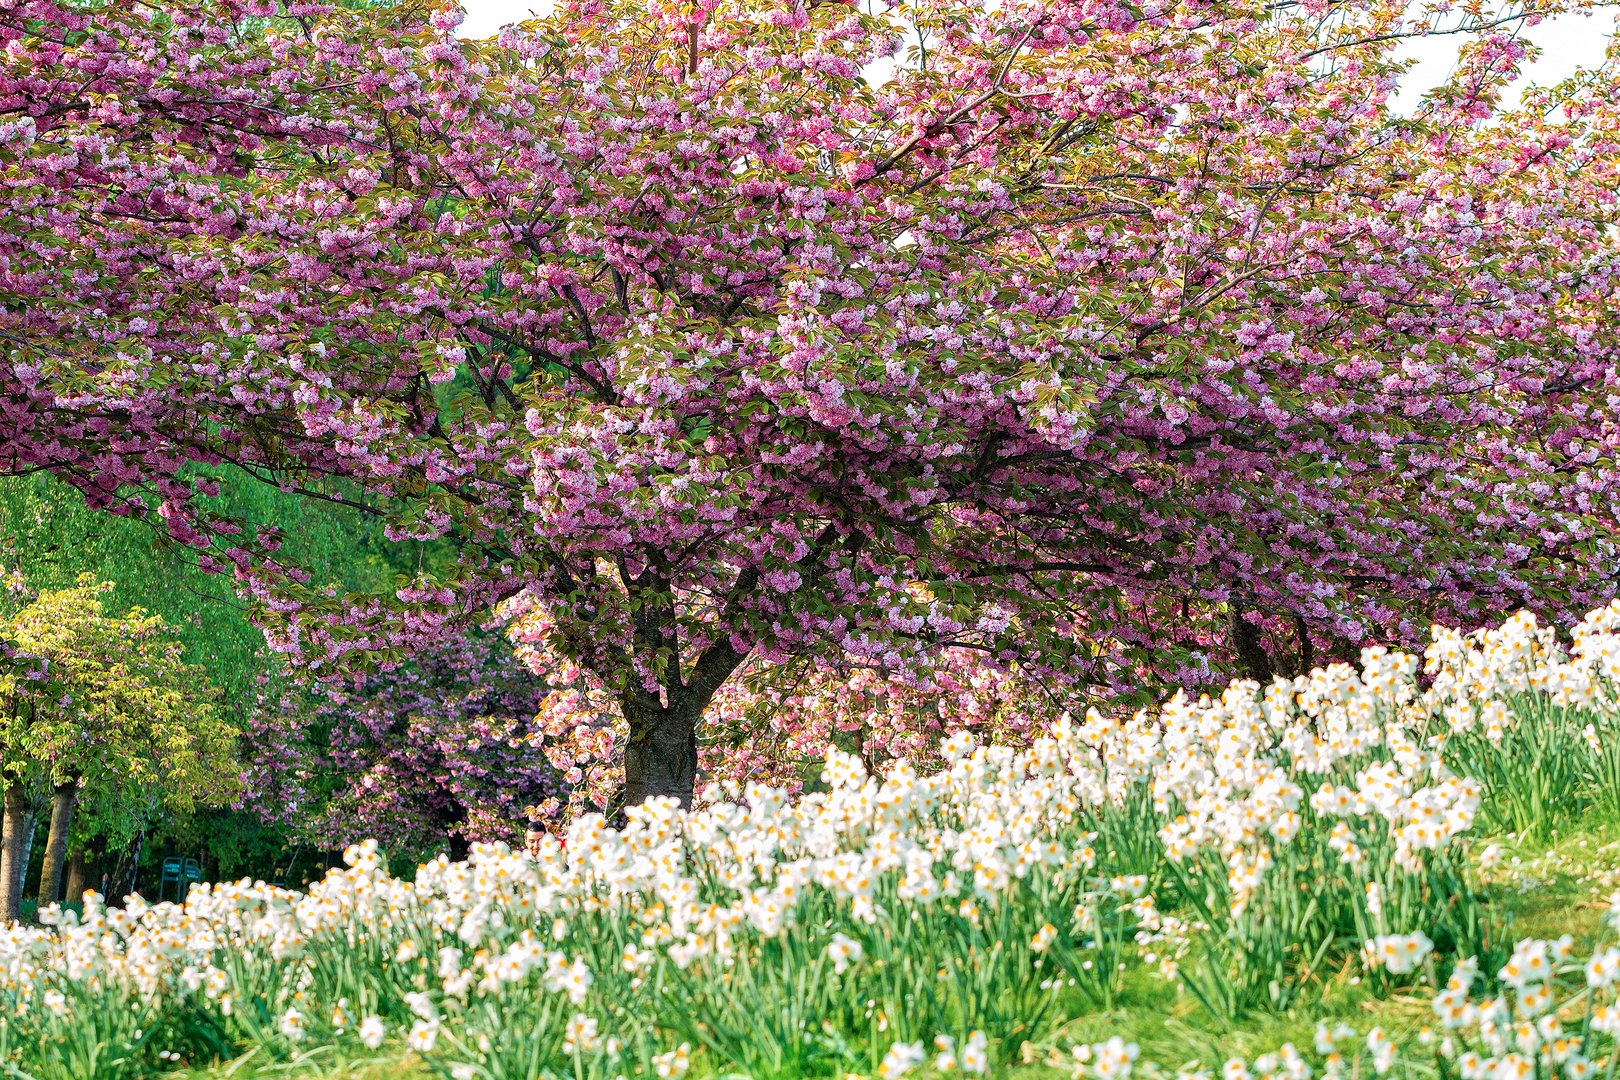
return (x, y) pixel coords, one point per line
(231, 844)
(50, 536)
(109, 702)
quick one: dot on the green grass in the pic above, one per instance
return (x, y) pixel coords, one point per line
(1549, 888)
(319, 1065)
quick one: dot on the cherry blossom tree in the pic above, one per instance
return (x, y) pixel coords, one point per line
(775, 723)
(437, 750)
(1116, 341)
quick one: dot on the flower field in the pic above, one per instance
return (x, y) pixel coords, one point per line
(1233, 856)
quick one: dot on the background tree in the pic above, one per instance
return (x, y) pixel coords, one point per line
(50, 537)
(437, 751)
(117, 718)
(1103, 339)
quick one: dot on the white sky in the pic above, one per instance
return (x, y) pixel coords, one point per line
(1568, 41)
(484, 17)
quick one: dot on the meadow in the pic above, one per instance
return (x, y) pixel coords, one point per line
(1401, 869)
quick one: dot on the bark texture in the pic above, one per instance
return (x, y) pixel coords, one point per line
(661, 755)
(11, 852)
(78, 875)
(50, 875)
(1249, 644)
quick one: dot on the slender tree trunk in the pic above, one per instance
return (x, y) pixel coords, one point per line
(1307, 648)
(11, 853)
(50, 874)
(30, 833)
(89, 863)
(451, 819)
(123, 869)
(661, 755)
(77, 874)
(132, 876)
(1249, 644)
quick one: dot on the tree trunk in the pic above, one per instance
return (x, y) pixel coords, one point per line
(89, 864)
(30, 829)
(11, 853)
(1307, 648)
(133, 874)
(50, 874)
(451, 819)
(77, 880)
(1249, 644)
(123, 869)
(661, 755)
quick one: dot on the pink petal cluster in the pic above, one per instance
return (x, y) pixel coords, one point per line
(439, 747)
